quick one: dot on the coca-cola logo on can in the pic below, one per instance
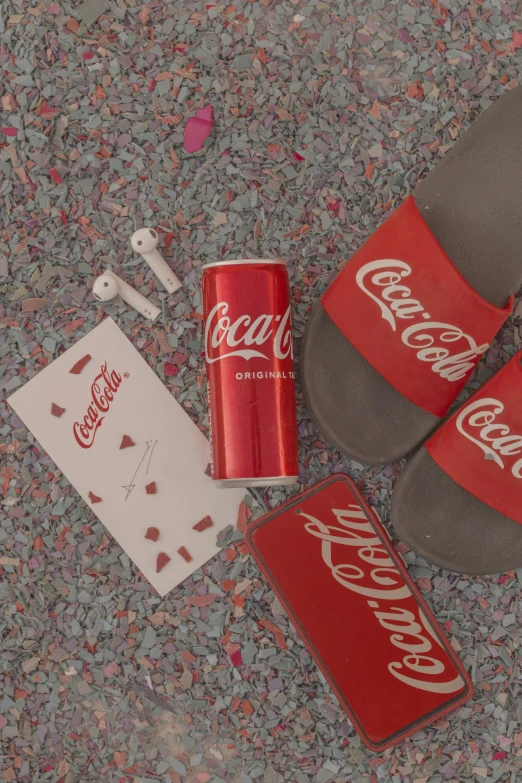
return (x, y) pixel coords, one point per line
(103, 388)
(247, 337)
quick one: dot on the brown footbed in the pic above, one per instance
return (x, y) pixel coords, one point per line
(472, 202)
(448, 526)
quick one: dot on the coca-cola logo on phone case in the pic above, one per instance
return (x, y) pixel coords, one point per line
(247, 337)
(364, 567)
(103, 388)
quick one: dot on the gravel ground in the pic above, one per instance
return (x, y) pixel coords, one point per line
(325, 116)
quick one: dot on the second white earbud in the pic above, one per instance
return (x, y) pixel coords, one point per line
(109, 285)
(145, 241)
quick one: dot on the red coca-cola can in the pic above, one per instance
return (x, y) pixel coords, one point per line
(250, 372)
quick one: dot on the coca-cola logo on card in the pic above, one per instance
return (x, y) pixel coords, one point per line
(247, 337)
(478, 423)
(429, 338)
(354, 553)
(103, 388)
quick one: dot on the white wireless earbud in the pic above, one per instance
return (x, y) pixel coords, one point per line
(109, 285)
(144, 241)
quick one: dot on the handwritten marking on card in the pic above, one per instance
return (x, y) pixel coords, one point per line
(149, 450)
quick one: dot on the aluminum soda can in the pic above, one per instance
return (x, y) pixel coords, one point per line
(250, 373)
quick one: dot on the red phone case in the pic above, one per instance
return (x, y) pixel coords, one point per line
(329, 560)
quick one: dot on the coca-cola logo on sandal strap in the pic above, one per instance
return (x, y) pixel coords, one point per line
(103, 388)
(247, 337)
(375, 578)
(405, 307)
(395, 301)
(478, 423)
(480, 446)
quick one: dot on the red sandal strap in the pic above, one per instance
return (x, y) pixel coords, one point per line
(480, 446)
(405, 307)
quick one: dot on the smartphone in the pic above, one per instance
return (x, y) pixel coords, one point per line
(330, 561)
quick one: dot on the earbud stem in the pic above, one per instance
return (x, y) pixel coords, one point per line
(162, 271)
(137, 300)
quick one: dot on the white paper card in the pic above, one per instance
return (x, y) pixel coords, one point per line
(117, 394)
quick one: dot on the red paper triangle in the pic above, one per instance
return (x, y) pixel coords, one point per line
(152, 534)
(80, 364)
(162, 561)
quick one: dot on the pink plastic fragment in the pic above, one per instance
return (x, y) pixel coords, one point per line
(13, 132)
(197, 129)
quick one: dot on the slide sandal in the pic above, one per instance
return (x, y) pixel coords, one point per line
(403, 325)
(458, 503)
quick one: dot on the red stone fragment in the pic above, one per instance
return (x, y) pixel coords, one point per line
(56, 410)
(185, 554)
(94, 498)
(162, 561)
(152, 534)
(203, 524)
(55, 176)
(80, 364)
(208, 470)
(150, 489)
(126, 442)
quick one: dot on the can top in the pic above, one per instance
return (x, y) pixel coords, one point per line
(245, 261)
